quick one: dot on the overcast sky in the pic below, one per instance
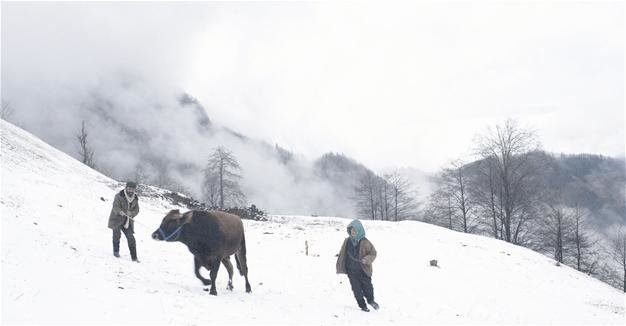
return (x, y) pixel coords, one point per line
(390, 85)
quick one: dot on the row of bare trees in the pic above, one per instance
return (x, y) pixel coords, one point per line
(450, 205)
(505, 194)
(495, 194)
(390, 197)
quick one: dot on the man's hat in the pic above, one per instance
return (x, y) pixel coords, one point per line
(131, 184)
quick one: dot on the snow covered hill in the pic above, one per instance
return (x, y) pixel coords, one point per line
(57, 265)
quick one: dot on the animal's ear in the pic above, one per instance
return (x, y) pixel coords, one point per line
(173, 215)
(187, 217)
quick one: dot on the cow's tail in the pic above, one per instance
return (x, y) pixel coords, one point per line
(240, 258)
(242, 264)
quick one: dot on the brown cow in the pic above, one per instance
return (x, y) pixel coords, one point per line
(212, 237)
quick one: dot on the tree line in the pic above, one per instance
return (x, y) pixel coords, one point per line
(507, 194)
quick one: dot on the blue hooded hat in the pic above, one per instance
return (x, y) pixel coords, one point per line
(360, 231)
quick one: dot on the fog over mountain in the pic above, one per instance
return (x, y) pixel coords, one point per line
(137, 133)
(412, 80)
(159, 85)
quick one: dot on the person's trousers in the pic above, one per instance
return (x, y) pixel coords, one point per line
(361, 287)
(130, 238)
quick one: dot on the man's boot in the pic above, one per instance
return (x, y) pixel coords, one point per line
(362, 305)
(133, 253)
(116, 249)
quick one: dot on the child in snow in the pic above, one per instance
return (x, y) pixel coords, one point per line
(355, 259)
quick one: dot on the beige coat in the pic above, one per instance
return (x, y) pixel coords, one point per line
(367, 254)
(120, 204)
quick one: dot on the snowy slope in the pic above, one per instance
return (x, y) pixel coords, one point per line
(57, 265)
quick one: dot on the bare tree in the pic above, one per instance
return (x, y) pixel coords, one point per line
(85, 151)
(221, 179)
(457, 185)
(586, 249)
(618, 250)
(440, 209)
(384, 198)
(509, 147)
(211, 190)
(403, 202)
(556, 225)
(486, 195)
(366, 196)
(528, 212)
(451, 201)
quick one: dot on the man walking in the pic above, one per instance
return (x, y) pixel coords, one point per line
(125, 208)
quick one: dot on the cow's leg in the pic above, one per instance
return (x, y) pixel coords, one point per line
(215, 266)
(197, 264)
(229, 268)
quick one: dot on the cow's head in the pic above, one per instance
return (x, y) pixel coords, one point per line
(171, 226)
